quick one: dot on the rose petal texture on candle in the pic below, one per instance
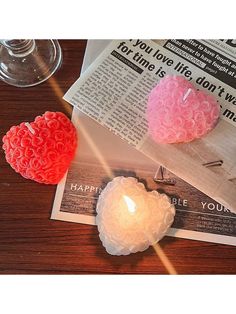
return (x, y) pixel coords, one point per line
(178, 112)
(41, 150)
(123, 229)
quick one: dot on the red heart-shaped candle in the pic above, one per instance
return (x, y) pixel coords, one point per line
(41, 150)
(178, 112)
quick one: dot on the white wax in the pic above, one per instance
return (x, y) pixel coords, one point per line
(129, 218)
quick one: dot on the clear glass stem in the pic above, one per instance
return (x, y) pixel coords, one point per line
(18, 47)
(25, 62)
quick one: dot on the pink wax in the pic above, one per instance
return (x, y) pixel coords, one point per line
(41, 150)
(178, 112)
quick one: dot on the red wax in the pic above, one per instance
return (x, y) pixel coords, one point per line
(41, 150)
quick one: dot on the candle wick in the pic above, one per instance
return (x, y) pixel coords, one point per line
(30, 127)
(187, 93)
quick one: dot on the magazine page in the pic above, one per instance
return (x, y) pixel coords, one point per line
(114, 91)
(101, 154)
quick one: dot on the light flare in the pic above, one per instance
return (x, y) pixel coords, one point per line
(130, 203)
(59, 93)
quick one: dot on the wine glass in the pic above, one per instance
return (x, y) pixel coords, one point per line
(25, 62)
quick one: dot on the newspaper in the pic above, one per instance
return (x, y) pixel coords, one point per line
(114, 91)
(101, 152)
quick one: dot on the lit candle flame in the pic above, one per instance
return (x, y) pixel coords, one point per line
(130, 204)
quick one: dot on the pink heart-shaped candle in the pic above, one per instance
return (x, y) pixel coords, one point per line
(178, 112)
(41, 150)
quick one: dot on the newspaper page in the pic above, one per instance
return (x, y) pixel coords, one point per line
(114, 91)
(197, 216)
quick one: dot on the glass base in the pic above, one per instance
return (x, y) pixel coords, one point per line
(30, 68)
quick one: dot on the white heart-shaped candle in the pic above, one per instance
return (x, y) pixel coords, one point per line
(129, 218)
